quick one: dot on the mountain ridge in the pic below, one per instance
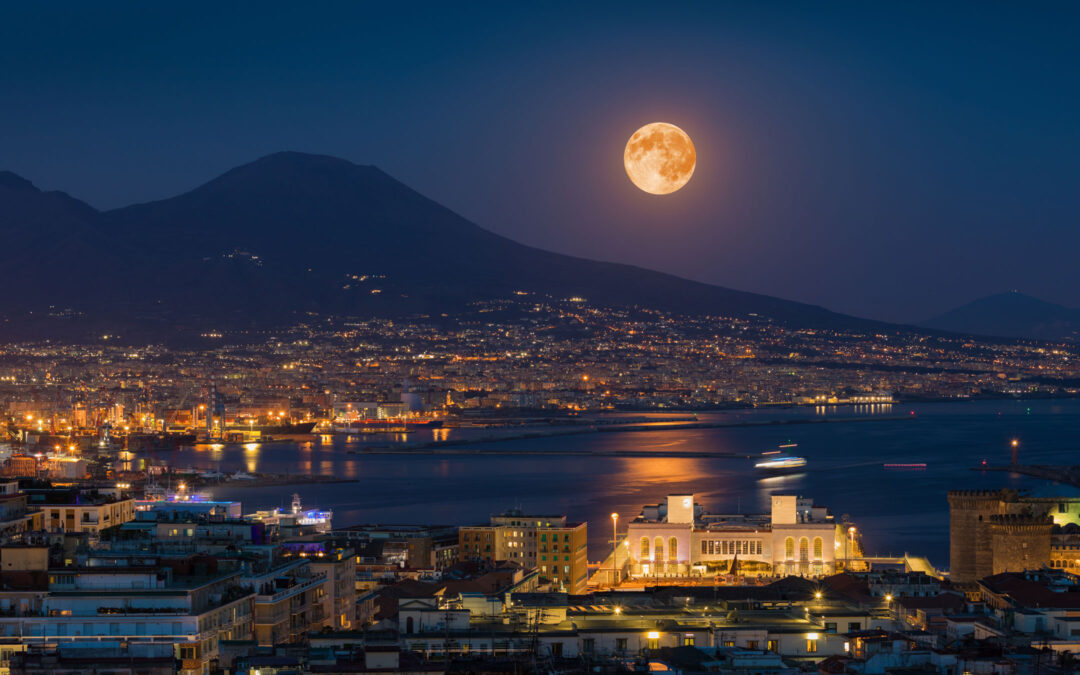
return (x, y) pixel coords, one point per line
(292, 233)
(1011, 314)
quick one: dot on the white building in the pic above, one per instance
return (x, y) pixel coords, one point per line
(678, 539)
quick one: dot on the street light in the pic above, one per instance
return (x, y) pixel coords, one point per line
(614, 547)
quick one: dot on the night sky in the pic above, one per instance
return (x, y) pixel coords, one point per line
(885, 160)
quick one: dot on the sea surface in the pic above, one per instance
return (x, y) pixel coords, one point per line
(897, 511)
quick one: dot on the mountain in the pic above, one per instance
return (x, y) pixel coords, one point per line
(1011, 314)
(294, 235)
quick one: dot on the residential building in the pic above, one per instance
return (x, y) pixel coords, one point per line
(551, 544)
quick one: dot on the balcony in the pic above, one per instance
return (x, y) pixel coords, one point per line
(307, 584)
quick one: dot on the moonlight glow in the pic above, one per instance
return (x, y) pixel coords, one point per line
(659, 158)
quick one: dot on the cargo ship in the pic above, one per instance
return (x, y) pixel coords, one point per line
(135, 442)
(369, 426)
(290, 429)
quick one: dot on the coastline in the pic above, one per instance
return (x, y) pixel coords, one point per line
(435, 447)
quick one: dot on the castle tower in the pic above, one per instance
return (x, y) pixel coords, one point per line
(1020, 542)
(970, 545)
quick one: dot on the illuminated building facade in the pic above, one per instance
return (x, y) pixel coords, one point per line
(678, 539)
(996, 531)
(548, 543)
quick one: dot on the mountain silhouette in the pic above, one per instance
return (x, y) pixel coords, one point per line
(1011, 314)
(292, 236)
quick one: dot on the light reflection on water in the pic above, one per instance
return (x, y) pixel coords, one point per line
(898, 511)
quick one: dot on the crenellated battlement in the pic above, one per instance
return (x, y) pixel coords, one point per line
(994, 530)
(1021, 523)
(980, 499)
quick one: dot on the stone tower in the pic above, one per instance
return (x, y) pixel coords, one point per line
(1020, 542)
(971, 553)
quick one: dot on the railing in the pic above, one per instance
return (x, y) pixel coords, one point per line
(312, 582)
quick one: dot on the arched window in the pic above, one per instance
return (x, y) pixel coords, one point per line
(673, 549)
(658, 547)
(789, 548)
(819, 548)
(645, 548)
(804, 549)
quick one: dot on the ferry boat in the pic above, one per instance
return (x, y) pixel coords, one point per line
(781, 465)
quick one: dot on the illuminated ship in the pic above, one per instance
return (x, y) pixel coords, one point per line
(297, 520)
(781, 464)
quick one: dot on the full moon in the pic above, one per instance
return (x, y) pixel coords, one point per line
(659, 158)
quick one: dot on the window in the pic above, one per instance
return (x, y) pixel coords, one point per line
(789, 548)
(706, 546)
(804, 549)
(620, 644)
(771, 645)
(818, 548)
(644, 548)
(751, 644)
(688, 640)
(811, 646)
(729, 643)
(1063, 508)
(658, 547)
(854, 626)
(830, 627)
(673, 549)
(556, 649)
(187, 653)
(588, 645)
(653, 643)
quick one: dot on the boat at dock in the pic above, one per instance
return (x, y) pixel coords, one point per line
(369, 426)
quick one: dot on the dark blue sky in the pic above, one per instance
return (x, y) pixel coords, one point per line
(886, 160)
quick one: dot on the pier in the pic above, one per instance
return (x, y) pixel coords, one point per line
(1067, 475)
